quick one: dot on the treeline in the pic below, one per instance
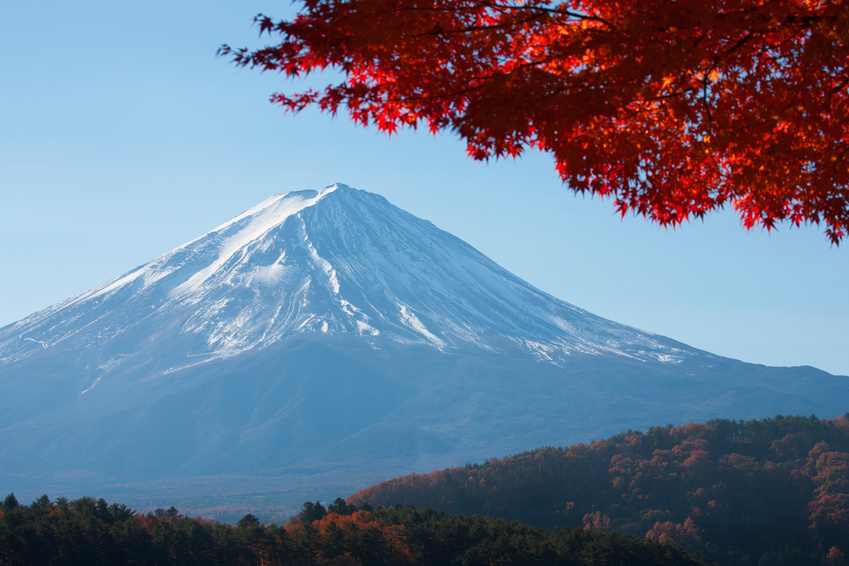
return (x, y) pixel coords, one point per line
(766, 492)
(92, 532)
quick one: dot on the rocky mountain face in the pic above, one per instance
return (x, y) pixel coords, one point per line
(330, 334)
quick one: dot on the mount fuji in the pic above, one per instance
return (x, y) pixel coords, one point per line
(330, 336)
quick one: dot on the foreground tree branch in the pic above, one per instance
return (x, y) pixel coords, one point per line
(672, 109)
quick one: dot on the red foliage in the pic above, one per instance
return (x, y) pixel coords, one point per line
(841, 422)
(671, 108)
(143, 520)
(597, 520)
(357, 521)
(686, 534)
(691, 430)
(835, 557)
(830, 507)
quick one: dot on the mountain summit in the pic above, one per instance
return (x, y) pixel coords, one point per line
(329, 331)
(334, 261)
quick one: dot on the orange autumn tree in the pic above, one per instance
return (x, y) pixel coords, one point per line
(672, 108)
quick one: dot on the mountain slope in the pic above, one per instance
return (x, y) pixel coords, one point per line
(329, 332)
(331, 261)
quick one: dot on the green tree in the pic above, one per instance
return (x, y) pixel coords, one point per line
(311, 512)
(9, 503)
(248, 521)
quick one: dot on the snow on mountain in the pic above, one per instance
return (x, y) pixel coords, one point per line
(332, 337)
(336, 261)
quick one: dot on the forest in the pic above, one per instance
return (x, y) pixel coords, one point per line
(767, 492)
(92, 532)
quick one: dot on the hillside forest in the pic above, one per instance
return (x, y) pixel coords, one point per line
(761, 492)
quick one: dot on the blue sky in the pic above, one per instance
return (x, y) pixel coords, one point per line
(123, 136)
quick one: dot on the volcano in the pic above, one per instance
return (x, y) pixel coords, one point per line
(330, 334)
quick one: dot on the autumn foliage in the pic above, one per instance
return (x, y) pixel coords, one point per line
(768, 492)
(86, 532)
(672, 109)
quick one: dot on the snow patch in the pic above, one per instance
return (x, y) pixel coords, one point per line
(91, 386)
(43, 344)
(364, 328)
(411, 320)
(112, 364)
(268, 274)
(542, 351)
(325, 267)
(348, 308)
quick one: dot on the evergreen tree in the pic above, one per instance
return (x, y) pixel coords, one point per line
(248, 521)
(311, 512)
(9, 503)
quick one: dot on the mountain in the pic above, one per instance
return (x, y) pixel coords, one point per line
(335, 262)
(330, 336)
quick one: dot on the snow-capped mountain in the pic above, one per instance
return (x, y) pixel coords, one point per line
(334, 261)
(331, 330)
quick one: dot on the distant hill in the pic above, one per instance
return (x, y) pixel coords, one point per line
(767, 492)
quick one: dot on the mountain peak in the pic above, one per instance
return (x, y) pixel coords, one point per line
(276, 209)
(248, 228)
(301, 263)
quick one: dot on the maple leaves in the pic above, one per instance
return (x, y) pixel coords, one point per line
(672, 109)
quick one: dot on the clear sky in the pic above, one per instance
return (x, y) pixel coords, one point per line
(122, 136)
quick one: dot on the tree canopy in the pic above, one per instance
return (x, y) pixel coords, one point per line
(671, 108)
(90, 532)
